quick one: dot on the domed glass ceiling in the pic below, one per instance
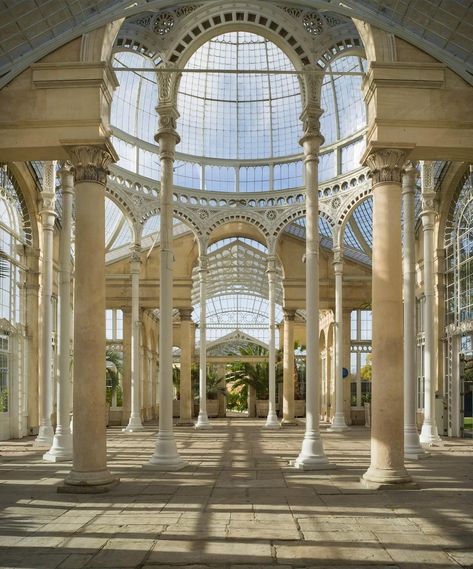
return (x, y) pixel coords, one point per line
(238, 115)
(239, 131)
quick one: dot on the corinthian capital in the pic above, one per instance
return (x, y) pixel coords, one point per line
(90, 163)
(386, 165)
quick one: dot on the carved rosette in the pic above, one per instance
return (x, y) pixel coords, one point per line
(386, 165)
(90, 163)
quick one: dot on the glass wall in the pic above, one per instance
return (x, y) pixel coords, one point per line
(360, 357)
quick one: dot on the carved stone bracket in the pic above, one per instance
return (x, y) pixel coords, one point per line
(90, 163)
(386, 165)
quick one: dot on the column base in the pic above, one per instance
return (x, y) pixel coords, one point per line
(412, 447)
(134, 424)
(91, 482)
(338, 424)
(429, 435)
(61, 449)
(165, 456)
(45, 437)
(385, 478)
(272, 422)
(203, 421)
(312, 456)
(185, 423)
(289, 422)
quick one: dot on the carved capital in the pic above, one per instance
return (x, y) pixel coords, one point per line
(338, 259)
(271, 267)
(311, 140)
(386, 165)
(90, 163)
(409, 176)
(289, 314)
(67, 178)
(135, 258)
(167, 136)
(185, 314)
(203, 263)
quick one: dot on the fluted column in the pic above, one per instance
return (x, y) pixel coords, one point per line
(61, 448)
(429, 433)
(165, 456)
(202, 420)
(134, 423)
(338, 421)
(312, 455)
(186, 403)
(272, 420)
(288, 369)
(412, 446)
(89, 470)
(387, 430)
(48, 215)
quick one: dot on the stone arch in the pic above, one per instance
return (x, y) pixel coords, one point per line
(297, 213)
(182, 215)
(345, 214)
(243, 219)
(225, 227)
(127, 209)
(379, 45)
(453, 183)
(27, 196)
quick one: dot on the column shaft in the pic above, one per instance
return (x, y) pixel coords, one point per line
(338, 422)
(312, 456)
(412, 447)
(61, 448)
(202, 419)
(387, 438)
(429, 433)
(272, 420)
(165, 456)
(288, 368)
(134, 424)
(48, 215)
(89, 471)
(186, 403)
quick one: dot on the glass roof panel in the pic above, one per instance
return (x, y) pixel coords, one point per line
(261, 111)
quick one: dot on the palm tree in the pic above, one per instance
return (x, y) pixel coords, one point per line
(245, 374)
(113, 372)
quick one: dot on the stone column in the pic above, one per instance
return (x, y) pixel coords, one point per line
(312, 455)
(272, 420)
(346, 352)
(387, 431)
(288, 369)
(186, 403)
(429, 433)
(89, 470)
(338, 422)
(126, 379)
(48, 216)
(412, 447)
(165, 456)
(202, 419)
(62, 442)
(134, 423)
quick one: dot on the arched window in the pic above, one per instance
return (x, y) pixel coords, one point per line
(459, 256)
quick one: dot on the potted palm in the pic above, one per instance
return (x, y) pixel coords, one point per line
(214, 389)
(113, 390)
(246, 376)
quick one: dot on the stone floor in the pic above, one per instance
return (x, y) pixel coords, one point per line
(238, 505)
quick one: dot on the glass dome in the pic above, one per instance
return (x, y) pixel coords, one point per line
(261, 111)
(239, 131)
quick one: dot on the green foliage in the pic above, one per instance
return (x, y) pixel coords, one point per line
(242, 375)
(113, 374)
(366, 372)
(4, 400)
(214, 383)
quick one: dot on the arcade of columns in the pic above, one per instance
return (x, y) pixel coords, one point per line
(393, 144)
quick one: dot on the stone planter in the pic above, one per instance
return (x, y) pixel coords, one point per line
(176, 408)
(262, 407)
(212, 407)
(299, 408)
